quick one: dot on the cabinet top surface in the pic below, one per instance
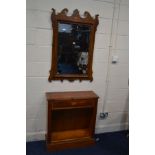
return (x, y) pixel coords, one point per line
(70, 95)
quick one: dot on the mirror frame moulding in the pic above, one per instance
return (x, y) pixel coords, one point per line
(75, 18)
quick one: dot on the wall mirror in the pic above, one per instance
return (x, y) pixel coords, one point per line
(73, 45)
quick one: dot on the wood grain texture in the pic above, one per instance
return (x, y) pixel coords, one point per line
(69, 135)
(71, 95)
(71, 119)
(76, 19)
(83, 142)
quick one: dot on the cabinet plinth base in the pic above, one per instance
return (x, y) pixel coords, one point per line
(83, 142)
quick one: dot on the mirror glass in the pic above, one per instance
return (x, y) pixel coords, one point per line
(73, 47)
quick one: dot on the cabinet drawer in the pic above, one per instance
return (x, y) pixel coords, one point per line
(73, 103)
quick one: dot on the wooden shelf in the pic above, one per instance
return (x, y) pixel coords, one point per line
(71, 119)
(70, 134)
(67, 108)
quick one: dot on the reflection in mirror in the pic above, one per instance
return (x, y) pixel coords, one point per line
(73, 44)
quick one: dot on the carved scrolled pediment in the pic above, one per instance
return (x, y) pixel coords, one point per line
(63, 12)
(75, 15)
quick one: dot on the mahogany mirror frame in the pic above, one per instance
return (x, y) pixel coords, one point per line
(75, 18)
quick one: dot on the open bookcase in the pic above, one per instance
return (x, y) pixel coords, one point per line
(71, 119)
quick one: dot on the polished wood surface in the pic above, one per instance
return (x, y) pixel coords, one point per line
(71, 119)
(76, 19)
(82, 142)
(71, 95)
(69, 135)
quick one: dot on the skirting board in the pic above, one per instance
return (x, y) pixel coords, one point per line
(36, 136)
(111, 128)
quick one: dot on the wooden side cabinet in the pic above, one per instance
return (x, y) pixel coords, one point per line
(71, 119)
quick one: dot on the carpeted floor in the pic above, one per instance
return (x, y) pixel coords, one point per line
(115, 143)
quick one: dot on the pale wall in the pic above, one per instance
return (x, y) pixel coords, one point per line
(39, 39)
